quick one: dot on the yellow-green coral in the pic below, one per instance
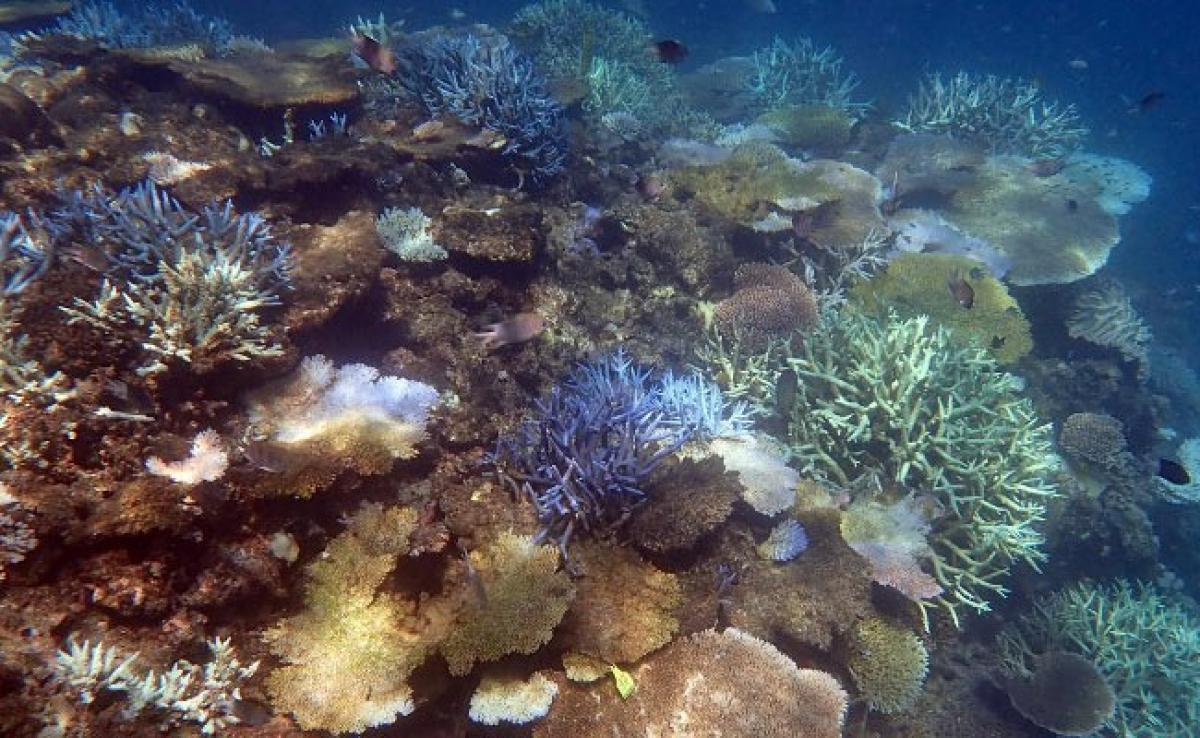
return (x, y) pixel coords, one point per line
(523, 597)
(349, 654)
(811, 127)
(888, 664)
(893, 405)
(917, 284)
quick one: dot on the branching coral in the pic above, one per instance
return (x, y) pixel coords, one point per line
(22, 259)
(1005, 114)
(405, 232)
(349, 653)
(522, 597)
(801, 73)
(584, 458)
(895, 405)
(1146, 646)
(888, 664)
(205, 695)
(148, 24)
(194, 284)
(485, 82)
(1105, 317)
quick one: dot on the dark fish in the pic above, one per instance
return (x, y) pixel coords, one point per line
(997, 343)
(377, 56)
(962, 292)
(1147, 102)
(669, 51)
(1072, 204)
(1173, 472)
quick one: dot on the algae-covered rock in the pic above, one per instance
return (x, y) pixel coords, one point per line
(918, 284)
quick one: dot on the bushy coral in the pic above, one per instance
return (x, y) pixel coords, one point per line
(349, 653)
(206, 462)
(405, 232)
(485, 82)
(523, 596)
(918, 284)
(801, 73)
(894, 405)
(888, 664)
(498, 700)
(145, 25)
(624, 608)
(1005, 114)
(688, 500)
(1092, 437)
(585, 456)
(193, 284)
(1145, 644)
(1105, 316)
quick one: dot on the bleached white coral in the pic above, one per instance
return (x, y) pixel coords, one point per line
(498, 700)
(768, 483)
(207, 462)
(406, 234)
(786, 541)
(1106, 317)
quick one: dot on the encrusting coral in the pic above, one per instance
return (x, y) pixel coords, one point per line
(349, 653)
(888, 664)
(895, 405)
(916, 284)
(522, 596)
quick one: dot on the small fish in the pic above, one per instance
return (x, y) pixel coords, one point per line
(430, 130)
(1173, 472)
(517, 329)
(487, 139)
(1147, 102)
(1072, 205)
(377, 56)
(669, 51)
(961, 290)
(1046, 167)
(1080, 64)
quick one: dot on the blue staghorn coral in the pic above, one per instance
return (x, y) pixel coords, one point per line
(584, 456)
(489, 84)
(22, 259)
(153, 24)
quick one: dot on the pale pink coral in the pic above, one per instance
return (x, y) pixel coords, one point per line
(206, 463)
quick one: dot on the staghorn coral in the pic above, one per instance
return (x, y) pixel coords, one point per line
(347, 656)
(888, 664)
(891, 404)
(193, 285)
(147, 25)
(769, 303)
(406, 234)
(1066, 695)
(585, 456)
(916, 284)
(1005, 114)
(498, 700)
(687, 500)
(22, 259)
(17, 538)
(1146, 645)
(206, 695)
(789, 74)
(1105, 317)
(624, 608)
(485, 82)
(524, 596)
(728, 680)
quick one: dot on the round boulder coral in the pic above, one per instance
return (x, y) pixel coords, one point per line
(888, 664)
(770, 302)
(1092, 437)
(687, 501)
(1066, 694)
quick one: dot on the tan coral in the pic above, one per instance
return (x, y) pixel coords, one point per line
(523, 596)
(687, 501)
(769, 302)
(888, 664)
(624, 608)
(712, 683)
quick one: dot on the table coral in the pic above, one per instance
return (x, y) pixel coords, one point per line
(916, 284)
(895, 405)
(524, 596)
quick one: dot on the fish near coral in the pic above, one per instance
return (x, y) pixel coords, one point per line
(517, 329)
(961, 290)
(377, 56)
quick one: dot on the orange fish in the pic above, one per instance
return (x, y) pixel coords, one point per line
(961, 290)
(377, 56)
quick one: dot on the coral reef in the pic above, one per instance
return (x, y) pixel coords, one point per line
(1092, 437)
(801, 73)
(687, 501)
(728, 679)
(1144, 644)
(497, 700)
(769, 302)
(786, 541)
(405, 232)
(895, 405)
(768, 483)
(888, 664)
(1007, 115)
(892, 538)
(485, 82)
(1105, 317)
(824, 129)
(916, 284)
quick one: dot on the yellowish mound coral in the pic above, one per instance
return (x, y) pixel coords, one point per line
(888, 664)
(349, 654)
(1055, 231)
(522, 597)
(624, 608)
(761, 187)
(810, 127)
(918, 284)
